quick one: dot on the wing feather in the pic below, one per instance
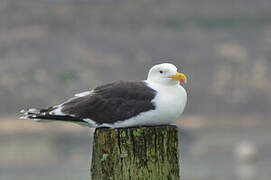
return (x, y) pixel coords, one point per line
(112, 102)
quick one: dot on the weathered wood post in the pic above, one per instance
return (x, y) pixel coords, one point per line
(136, 153)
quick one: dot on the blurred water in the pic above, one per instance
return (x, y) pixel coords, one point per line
(59, 151)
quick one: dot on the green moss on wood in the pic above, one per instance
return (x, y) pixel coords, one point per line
(143, 153)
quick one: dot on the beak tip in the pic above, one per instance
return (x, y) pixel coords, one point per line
(179, 77)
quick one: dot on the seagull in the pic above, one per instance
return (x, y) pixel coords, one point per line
(159, 100)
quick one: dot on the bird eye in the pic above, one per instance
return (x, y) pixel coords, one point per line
(161, 72)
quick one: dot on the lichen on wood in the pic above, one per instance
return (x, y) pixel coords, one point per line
(136, 153)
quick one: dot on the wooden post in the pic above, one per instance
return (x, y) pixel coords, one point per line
(136, 153)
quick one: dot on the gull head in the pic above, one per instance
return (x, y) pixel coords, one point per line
(166, 74)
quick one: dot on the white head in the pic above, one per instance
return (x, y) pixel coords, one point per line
(166, 74)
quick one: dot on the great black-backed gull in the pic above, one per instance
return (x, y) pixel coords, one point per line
(159, 100)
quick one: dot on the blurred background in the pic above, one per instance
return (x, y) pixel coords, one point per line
(52, 49)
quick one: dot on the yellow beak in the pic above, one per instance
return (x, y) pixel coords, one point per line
(179, 77)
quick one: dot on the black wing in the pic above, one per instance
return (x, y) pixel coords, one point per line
(112, 102)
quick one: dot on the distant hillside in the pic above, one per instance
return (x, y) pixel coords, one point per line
(52, 49)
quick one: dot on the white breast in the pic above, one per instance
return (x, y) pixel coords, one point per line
(170, 103)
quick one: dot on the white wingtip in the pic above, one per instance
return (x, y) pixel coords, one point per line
(22, 111)
(34, 116)
(23, 117)
(33, 110)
